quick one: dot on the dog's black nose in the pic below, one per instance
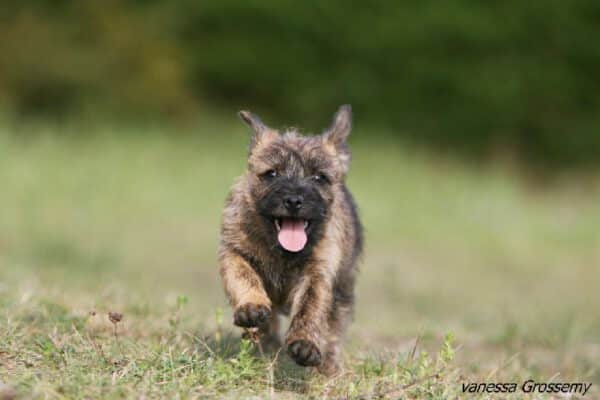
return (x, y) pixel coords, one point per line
(293, 203)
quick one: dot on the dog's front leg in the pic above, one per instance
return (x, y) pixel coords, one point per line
(311, 302)
(244, 287)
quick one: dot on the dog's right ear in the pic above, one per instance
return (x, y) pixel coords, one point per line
(253, 121)
(260, 130)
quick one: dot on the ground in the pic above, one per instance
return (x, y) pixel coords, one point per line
(471, 273)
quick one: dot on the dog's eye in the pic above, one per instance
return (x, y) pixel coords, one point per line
(320, 178)
(270, 174)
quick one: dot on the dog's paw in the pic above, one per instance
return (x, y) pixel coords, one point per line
(251, 315)
(329, 368)
(305, 353)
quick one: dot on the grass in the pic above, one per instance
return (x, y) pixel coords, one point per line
(128, 222)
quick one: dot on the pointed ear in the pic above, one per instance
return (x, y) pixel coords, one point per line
(253, 121)
(260, 130)
(340, 127)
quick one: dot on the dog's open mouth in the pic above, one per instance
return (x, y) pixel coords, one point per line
(291, 233)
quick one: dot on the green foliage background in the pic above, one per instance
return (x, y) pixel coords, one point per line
(481, 78)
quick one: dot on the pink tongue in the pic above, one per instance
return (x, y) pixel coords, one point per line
(292, 236)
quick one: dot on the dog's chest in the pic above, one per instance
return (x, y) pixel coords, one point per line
(279, 280)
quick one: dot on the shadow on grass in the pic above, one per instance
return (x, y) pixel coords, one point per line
(286, 375)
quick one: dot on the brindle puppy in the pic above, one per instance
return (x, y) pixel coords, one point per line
(291, 237)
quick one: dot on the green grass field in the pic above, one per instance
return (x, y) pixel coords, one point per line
(128, 222)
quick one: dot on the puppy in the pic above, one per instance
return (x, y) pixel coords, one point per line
(291, 237)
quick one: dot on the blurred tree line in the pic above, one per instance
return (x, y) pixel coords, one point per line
(472, 76)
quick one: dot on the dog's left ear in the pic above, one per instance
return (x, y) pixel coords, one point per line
(340, 127)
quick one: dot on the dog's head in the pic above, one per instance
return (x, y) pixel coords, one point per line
(294, 179)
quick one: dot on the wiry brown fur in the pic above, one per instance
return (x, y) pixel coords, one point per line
(316, 286)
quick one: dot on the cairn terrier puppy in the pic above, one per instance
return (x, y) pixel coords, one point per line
(291, 237)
